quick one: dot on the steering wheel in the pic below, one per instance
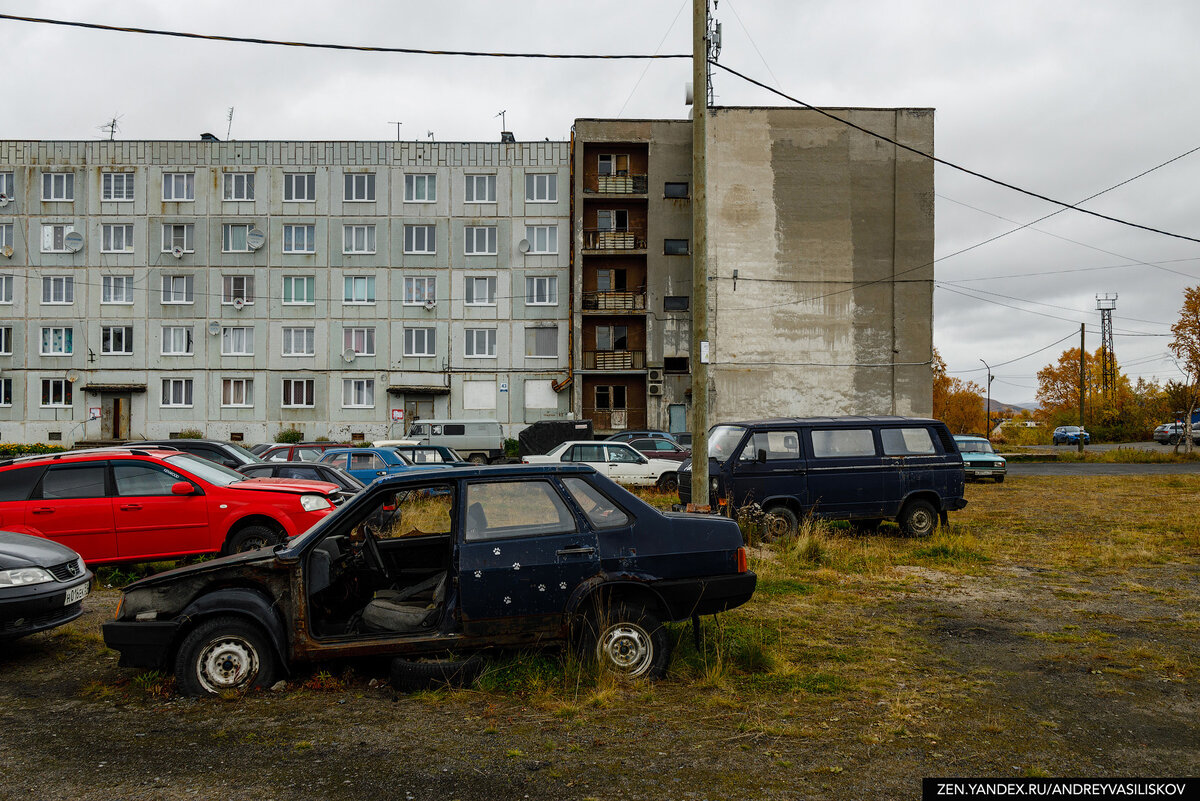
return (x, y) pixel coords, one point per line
(371, 556)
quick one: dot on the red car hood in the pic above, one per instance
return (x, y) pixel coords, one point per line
(296, 485)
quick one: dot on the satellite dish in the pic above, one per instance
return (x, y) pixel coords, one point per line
(348, 355)
(177, 252)
(255, 239)
(687, 94)
(238, 303)
(383, 378)
(430, 304)
(72, 376)
(73, 241)
(214, 327)
(4, 200)
(523, 246)
(6, 251)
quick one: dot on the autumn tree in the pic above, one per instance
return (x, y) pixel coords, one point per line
(957, 403)
(1186, 345)
(1107, 416)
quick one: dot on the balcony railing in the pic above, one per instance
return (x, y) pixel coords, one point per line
(608, 239)
(620, 185)
(614, 360)
(615, 419)
(614, 301)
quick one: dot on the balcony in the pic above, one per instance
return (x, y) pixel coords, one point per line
(615, 419)
(619, 185)
(615, 302)
(614, 360)
(608, 239)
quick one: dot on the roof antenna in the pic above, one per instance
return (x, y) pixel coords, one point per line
(229, 127)
(397, 124)
(112, 126)
(430, 135)
(503, 125)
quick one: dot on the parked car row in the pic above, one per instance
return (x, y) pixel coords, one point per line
(1172, 434)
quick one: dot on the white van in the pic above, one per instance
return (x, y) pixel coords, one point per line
(479, 441)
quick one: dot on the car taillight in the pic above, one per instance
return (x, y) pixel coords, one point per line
(743, 565)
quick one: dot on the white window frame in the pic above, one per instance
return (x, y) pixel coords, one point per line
(358, 290)
(187, 241)
(6, 290)
(58, 187)
(116, 186)
(428, 239)
(290, 282)
(54, 237)
(58, 290)
(185, 393)
(303, 336)
(420, 187)
(471, 286)
(306, 242)
(541, 187)
(116, 290)
(179, 187)
(170, 290)
(107, 340)
(541, 285)
(169, 334)
(8, 185)
(360, 339)
(229, 289)
(358, 393)
(351, 236)
(308, 391)
(111, 242)
(237, 340)
(59, 388)
(418, 289)
(238, 186)
(479, 343)
(480, 188)
(6, 340)
(471, 236)
(306, 181)
(528, 349)
(428, 342)
(237, 393)
(6, 235)
(542, 239)
(6, 392)
(358, 187)
(65, 337)
(227, 237)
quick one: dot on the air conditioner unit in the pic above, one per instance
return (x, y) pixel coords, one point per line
(654, 388)
(655, 375)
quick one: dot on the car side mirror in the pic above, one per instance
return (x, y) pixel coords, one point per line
(182, 488)
(762, 455)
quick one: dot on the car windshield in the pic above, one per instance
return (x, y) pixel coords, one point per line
(211, 472)
(973, 446)
(722, 441)
(242, 455)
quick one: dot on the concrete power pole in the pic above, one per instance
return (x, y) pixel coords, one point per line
(1082, 384)
(699, 361)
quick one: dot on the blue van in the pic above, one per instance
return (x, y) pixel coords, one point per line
(861, 469)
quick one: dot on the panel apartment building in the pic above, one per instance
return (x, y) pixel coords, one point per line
(241, 288)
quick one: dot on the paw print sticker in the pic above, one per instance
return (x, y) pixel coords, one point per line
(507, 599)
(478, 574)
(516, 565)
(495, 551)
(541, 588)
(562, 585)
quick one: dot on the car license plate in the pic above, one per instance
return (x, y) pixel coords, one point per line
(75, 595)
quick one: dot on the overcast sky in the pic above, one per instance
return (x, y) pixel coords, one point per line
(1065, 99)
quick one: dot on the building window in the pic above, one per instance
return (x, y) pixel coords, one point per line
(299, 393)
(58, 186)
(542, 238)
(541, 290)
(237, 287)
(6, 339)
(176, 340)
(610, 397)
(481, 240)
(675, 303)
(6, 235)
(610, 164)
(299, 342)
(177, 235)
(57, 341)
(54, 237)
(56, 392)
(358, 239)
(419, 342)
(6, 289)
(235, 238)
(116, 289)
(116, 238)
(5, 392)
(358, 289)
(541, 342)
(179, 186)
(358, 393)
(481, 343)
(676, 364)
(541, 188)
(299, 239)
(612, 337)
(420, 289)
(481, 189)
(359, 340)
(116, 340)
(480, 291)
(300, 187)
(675, 247)
(8, 187)
(420, 239)
(116, 186)
(237, 341)
(420, 188)
(237, 392)
(239, 186)
(298, 290)
(675, 189)
(177, 289)
(360, 187)
(58, 290)
(177, 392)
(612, 220)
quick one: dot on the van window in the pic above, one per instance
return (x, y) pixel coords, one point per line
(842, 442)
(455, 430)
(907, 442)
(417, 431)
(779, 445)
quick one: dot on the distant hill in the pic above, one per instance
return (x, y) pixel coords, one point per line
(999, 406)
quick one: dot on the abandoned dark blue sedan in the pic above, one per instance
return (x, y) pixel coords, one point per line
(437, 562)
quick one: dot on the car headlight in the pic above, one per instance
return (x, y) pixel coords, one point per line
(314, 503)
(24, 576)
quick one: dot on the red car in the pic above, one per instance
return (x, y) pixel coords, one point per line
(659, 448)
(137, 505)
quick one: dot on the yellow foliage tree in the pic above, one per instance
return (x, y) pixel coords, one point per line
(957, 403)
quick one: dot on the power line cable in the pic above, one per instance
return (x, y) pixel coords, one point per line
(1019, 358)
(646, 69)
(1010, 276)
(1047, 305)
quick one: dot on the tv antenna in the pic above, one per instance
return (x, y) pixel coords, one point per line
(503, 124)
(397, 124)
(112, 126)
(430, 135)
(229, 127)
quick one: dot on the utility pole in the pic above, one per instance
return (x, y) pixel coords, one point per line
(1082, 383)
(699, 350)
(989, 400)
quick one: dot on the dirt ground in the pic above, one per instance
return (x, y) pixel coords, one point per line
(1018, 672)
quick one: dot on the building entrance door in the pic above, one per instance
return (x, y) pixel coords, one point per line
(416, 409)
(114, 415)
(677, 418)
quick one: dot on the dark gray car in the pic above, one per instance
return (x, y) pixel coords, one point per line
(42, 584)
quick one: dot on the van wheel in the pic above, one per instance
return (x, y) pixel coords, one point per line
(477, 458)
(251, 538)
(791, 523)
(224, 654)
(918, 518)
